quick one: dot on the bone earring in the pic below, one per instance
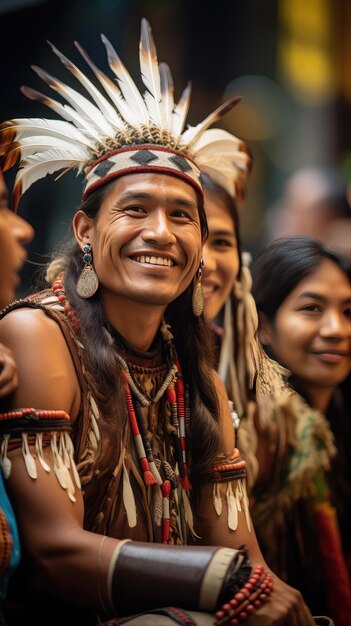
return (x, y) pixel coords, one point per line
(198, 298)
(88, 282)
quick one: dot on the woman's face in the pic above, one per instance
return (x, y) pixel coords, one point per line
(311, 332)
(14, 233)
(220, 254)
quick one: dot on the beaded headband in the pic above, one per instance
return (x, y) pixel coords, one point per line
(119, 130)
(148, 158)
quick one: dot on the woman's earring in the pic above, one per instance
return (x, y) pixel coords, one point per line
(198, 297)
(88, 282)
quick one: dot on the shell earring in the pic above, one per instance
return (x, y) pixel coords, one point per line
(88, 282)
(198, 297)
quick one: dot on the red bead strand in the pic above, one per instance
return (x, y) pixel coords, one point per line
(58, 290)
(247, 600)
(180, 391)
(148, 476)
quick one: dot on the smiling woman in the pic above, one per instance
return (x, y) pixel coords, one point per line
(303, 295)
(221, 250)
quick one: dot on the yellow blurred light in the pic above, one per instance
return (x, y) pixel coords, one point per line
(308, 18)
(308, 72)
(306, 56)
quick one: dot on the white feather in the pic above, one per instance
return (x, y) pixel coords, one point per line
(167, 93)
(232, 508)
(229, 161)
(218, 154)
(128, 499)
(217, 500)
(65, 111)
(226, 180)
(107, 110)
(39, 165)
(28, 458)
(136, 108)
(109, 86)
(223, 139)
(150, 74)
(180, 112)
(81, 104)
(192, 135)
(31, 145)
(29, 127)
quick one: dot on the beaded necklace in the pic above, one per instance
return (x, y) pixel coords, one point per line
(178, 401)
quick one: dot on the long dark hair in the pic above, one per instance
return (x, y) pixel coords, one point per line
(222, 195)
(238, 327)
(282, 265)
(193, 341)
(276, 272)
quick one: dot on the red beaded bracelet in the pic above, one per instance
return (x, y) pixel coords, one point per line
(247, 600)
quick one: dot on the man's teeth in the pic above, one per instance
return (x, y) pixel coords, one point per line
(154, 260)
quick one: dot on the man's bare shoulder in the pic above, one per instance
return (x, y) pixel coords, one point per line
(28, 325)
(46, 372)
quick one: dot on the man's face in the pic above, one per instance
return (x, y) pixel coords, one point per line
(146, 240)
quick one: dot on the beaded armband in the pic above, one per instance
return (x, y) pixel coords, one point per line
(22, 428)
(227, 470)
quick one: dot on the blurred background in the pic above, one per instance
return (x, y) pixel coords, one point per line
(290, 60)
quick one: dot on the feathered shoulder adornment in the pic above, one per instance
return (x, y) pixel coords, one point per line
(117, 129)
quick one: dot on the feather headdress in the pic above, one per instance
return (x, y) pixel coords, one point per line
(119, 130)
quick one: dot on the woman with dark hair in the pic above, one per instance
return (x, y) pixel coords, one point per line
(254, 382)
(302, 497)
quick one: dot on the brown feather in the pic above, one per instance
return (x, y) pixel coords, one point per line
(16, 195)
(12, 156)
(7, 135)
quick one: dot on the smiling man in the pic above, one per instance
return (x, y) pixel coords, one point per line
(129, 491)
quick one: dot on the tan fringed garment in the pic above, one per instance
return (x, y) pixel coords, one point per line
(117, 502)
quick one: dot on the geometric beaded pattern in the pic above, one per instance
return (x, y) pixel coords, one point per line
(229, 469)
(142, 158)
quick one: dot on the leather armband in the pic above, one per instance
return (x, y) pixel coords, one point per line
(144, 576)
